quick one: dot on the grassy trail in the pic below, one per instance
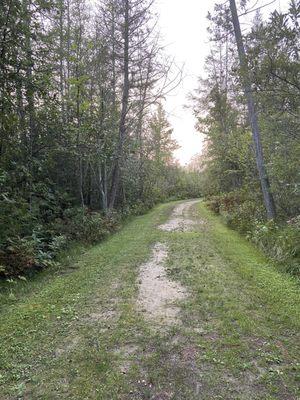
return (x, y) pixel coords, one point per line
(79, 333)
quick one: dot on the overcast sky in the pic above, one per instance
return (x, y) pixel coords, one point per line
(183, 26)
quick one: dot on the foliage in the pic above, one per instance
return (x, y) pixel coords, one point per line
(280, 241)
(227, 167)
(87, 226)
(82, 126)
(20, 254)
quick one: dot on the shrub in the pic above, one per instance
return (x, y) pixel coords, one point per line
(224, 203)
(88, 227)
(39, 250)
(214, 204)
(281, 242)
(17, 255)
(141, 207)
(38, 245)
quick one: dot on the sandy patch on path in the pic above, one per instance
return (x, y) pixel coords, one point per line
(179, 220)
(157, 293)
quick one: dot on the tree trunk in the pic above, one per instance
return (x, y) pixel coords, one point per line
(116, 174)
(61, 58)
(103, 186)
(264, 181)
(68, 72)
(30, 92)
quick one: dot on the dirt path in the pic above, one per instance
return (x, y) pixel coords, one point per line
(178, 310)
(180, 219)
(199, 359)
(157, 293)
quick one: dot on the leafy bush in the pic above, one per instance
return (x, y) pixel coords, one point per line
(88, 227)
(237, 211)
(280, 241)
(226, 202)
(141, 207)
(20, 254)
(17, 255)
(30, 239)
(15, 218)
(214, 204)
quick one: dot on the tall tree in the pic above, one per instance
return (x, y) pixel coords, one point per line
(252, 112)
(124, 104)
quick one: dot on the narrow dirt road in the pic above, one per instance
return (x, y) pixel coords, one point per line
(157, 293)
(175, 306)
(180, 220)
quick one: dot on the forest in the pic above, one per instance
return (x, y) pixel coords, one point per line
(126, 273)
(228, 169)
(85, 140)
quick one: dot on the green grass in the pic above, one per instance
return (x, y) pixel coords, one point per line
(40, 320)
(76, 333)
(243, 314)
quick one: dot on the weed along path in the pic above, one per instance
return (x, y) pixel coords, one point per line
(174, 306)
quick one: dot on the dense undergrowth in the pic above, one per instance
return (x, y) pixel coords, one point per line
(33, 239)
(280, 240)
(37, 243)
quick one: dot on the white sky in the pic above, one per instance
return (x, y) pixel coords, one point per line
(183, 26)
